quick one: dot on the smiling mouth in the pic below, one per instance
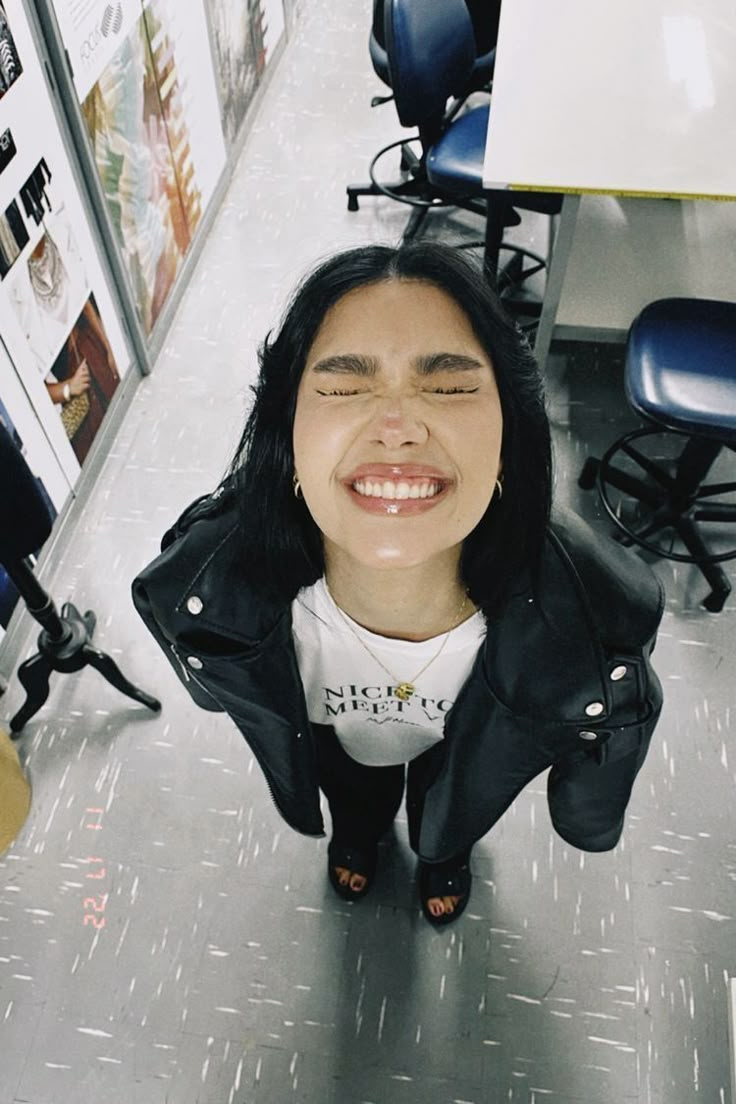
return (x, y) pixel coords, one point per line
(399, 489)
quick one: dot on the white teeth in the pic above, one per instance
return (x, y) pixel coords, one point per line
(389, 489)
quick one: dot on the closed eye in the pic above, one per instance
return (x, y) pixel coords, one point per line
(454, 390)
(327, 393)
(432, 390)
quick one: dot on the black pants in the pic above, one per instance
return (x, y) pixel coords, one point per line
(364, 800)
(587, 801)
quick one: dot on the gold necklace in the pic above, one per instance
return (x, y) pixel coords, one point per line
(404, 690)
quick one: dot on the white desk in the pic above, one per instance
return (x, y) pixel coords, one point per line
(625, 99)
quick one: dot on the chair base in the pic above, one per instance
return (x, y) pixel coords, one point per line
(657, 496)
(415, 190)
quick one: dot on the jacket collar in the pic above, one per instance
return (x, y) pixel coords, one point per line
(545, 646)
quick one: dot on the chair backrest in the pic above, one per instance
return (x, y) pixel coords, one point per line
(485, 16)
(431, 51)
(377, 44)
(377, 30)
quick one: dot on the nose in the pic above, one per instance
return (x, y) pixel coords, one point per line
(395, 424)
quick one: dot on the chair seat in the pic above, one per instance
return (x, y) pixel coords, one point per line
(455, 161)
(455, 164)
(681, 366)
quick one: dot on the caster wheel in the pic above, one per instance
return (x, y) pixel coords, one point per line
(716, 600)
(589, 474)
(352, 203)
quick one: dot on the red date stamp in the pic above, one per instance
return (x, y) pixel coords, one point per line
(95, 906)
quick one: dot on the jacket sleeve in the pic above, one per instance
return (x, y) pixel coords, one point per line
(624, 601)
(152, 593)
(143, 589)
(624, 598)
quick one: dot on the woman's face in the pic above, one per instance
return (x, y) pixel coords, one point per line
(397, 430)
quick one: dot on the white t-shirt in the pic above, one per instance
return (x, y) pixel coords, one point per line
(348, 689)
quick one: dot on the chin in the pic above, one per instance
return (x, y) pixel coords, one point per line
(390, 555)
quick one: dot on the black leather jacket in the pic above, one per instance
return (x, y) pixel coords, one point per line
(544, 668)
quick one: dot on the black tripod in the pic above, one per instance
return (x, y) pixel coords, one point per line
(63, 645)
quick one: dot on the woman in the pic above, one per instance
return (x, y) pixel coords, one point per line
(377, 583)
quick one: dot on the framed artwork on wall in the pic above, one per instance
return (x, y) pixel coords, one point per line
(64, 344)
(145, 80)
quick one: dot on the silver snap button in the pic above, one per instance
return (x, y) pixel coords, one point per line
(587, 735)
(594, 709)
(195, 605)
(618, 672)
(194, 662)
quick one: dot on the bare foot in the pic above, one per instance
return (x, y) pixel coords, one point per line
(444, 889)
(439, 906)
(346, 877)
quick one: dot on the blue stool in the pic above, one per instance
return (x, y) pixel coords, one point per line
(680, 377)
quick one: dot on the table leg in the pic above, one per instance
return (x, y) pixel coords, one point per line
(555, 277)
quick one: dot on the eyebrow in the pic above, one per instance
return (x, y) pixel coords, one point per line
(427, 365)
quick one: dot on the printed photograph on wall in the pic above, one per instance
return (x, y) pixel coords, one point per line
(10, 66)
(83, 379)
(237, 68)
(48, 287)
(14, 237)
(140, 143)
(60, 320)
(8, 148)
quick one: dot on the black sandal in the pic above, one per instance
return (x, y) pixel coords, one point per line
(358, 860)
(446, 879)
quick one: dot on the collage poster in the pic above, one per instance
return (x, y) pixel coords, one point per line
(244, 38)
(62, 350)
(149, 100)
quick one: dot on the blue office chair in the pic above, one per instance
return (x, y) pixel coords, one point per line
(484, 15)
(431, 51)
(671, 489)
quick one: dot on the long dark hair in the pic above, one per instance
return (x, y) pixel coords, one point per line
(281, 543)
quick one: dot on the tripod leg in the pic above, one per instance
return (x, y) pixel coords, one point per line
(70, 613)
(34, 678)
(109, 669)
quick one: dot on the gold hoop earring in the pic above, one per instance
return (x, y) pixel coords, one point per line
(499, 488)
(297, 488)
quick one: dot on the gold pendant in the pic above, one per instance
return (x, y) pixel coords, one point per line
(404, 691)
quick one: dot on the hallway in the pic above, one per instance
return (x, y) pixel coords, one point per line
(165, 939)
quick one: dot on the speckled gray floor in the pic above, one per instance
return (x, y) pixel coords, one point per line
(164, 939)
